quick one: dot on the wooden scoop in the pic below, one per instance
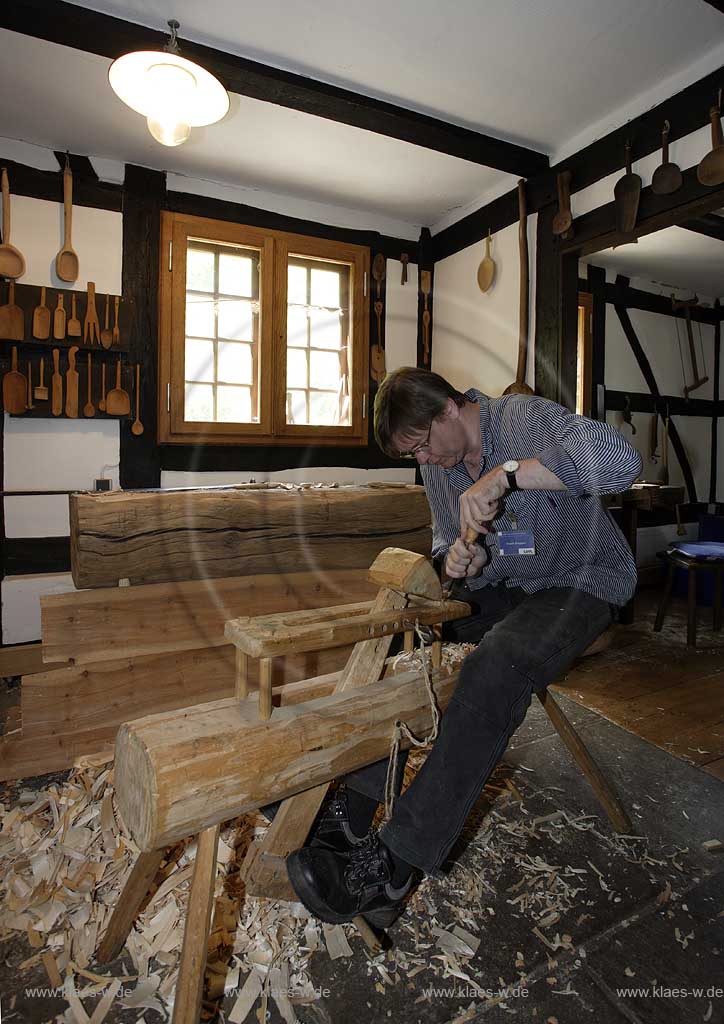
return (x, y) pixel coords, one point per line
(117, 401)
(15, 388)
(12, 261)
(563, 219)
(59, 319)
(137, 427)
(486, 270)
(711, 169)
(41, 392)
(56, 402)
(66, 262)
(71, 385)
(89, 409)
(12, 323)
(41, 319)
(627, 193)
(667, 176)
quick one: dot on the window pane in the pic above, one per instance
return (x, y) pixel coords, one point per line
(199, 402)
(326, 328)
(199, 363)
(296, 368)
(324, 370)
(199, 270)
(235, 364)
(235, 319)
(297, 326)
(199, 317)
(323, 408)
(296, 406)
(325, 288)
(297, 284)
(233, 405)
(234, 274)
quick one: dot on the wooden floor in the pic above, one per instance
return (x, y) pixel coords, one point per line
(656, 687)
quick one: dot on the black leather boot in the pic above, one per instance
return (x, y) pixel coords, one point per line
(336, 887)
(332, 829)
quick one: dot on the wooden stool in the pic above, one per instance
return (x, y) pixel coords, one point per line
(693, 557)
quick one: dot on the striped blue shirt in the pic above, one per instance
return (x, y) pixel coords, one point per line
(577, 543)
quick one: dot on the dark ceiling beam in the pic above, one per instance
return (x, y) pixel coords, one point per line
(708, 224)
(71, 25)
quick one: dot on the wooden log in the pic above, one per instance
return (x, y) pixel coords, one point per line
(109, 623)
(180, 772)
(201, 533)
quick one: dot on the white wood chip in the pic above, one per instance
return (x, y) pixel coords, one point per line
(246, 999)
(336, 941)
(102, 1009)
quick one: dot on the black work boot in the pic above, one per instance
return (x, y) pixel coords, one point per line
(332, 830)
(337, 887)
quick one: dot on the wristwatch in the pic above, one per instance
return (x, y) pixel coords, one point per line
(510, 468)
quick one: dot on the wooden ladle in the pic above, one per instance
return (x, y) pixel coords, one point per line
(711, 169)
(667, 176)
(486, 270)
(66, 262)
(12, 261)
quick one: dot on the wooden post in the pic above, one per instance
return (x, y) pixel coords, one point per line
(190, 984)
(242, 673)
(129, 903)
(409, 641)
(265, 688)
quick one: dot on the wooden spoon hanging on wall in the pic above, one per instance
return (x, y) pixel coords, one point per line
(486, 270)
(519, 386)
(378, 353)
(711, 169)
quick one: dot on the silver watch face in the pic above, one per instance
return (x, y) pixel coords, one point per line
(511, 466)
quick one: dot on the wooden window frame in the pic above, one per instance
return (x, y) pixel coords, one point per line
(584, 361)
(274, 248)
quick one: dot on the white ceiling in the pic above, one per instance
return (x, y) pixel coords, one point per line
(541, 74)
(674, 258)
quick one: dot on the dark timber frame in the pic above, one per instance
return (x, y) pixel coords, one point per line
(71, 25)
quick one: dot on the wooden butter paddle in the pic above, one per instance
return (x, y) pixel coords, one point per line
(117, 401)
(14, 388)
(56, 403)
(667, 176)
(41, 319)
(711, 169)
(71, 385)
(59, 320)
(627, 192)
(12, 324)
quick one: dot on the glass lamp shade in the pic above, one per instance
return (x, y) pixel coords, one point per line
(173, 93)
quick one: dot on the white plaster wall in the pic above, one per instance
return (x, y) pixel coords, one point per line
(475, 334)
(400, 316)
(21, 603)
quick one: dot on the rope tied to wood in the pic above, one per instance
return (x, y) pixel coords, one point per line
(402, 729)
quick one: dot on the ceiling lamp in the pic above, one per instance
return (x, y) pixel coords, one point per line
(174, 94)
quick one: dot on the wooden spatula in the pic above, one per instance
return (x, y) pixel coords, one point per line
(627, 192)
(106, 333)
(71, 385)
(66, 262)
(41, 319)
(711, 169)
(89, 409)
(12, 261)
(74, 322)
(15, 388)
(56, 402)
(12, 323)
(117, 401)
(41, 392)
(667, 176)
(59, 319)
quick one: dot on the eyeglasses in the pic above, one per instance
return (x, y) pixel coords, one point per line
(418, 447)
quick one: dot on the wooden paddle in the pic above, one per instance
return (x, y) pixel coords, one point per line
(56, 384)
(59, 319)
(41, 319)
(12, 323)
(117, 401)
(627, 193)
(66, 262)
(486, 270)
(12, 261)
(15, 388)
(711, 169)
(667, 176)
(519, 386)
(71, 385)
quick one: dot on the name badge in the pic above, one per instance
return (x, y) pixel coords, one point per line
(516, 542)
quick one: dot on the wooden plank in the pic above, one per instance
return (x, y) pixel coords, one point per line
(201, 533)
(128, 906)
(21, 660)
(190, 984)
(180, 772)
(271, 636)
(108, 623)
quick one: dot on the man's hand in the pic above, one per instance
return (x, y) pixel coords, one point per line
(465, 559)
(481, 502)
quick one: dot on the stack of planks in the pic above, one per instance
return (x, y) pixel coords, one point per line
(196, 558)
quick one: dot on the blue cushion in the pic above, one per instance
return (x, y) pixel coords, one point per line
(700, 549)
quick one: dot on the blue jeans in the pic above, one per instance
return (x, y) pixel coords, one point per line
(526, 641)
